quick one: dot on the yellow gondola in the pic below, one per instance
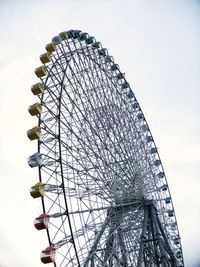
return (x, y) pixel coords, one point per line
(37, 88)
(35, 109)
(41, 71)
(37, 190)
(45, 58)
(64, 35)
(34, 133)
(51, 47)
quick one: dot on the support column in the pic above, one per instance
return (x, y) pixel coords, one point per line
(154, 246)
(96, 242)
(122, 248)
(109, 247)
(158, 236)
(142, 238)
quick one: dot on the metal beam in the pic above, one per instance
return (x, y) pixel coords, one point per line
(109, 246)
(142, 238)
(164, 261)
(167, 244)
(155, 248)
(122, 247)
(96, 241)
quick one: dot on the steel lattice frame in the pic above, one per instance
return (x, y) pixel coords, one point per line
(101, 166)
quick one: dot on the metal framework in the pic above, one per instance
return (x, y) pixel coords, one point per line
(154, 246)
(105, 189)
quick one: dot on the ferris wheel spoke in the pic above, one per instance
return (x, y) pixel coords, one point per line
(72, 155)
(60, 230)
(103, 82)
(91, 83)
(54, 203)
(94, 86)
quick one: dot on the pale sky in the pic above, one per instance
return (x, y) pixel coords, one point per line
(156, 43)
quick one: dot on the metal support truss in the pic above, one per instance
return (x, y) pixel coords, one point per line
(109, 247)
(96, 242)
(122, 247)
(154, 247)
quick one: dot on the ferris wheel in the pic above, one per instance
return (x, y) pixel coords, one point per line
(103, 190)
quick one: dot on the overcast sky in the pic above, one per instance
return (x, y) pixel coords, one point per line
(157, 45)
